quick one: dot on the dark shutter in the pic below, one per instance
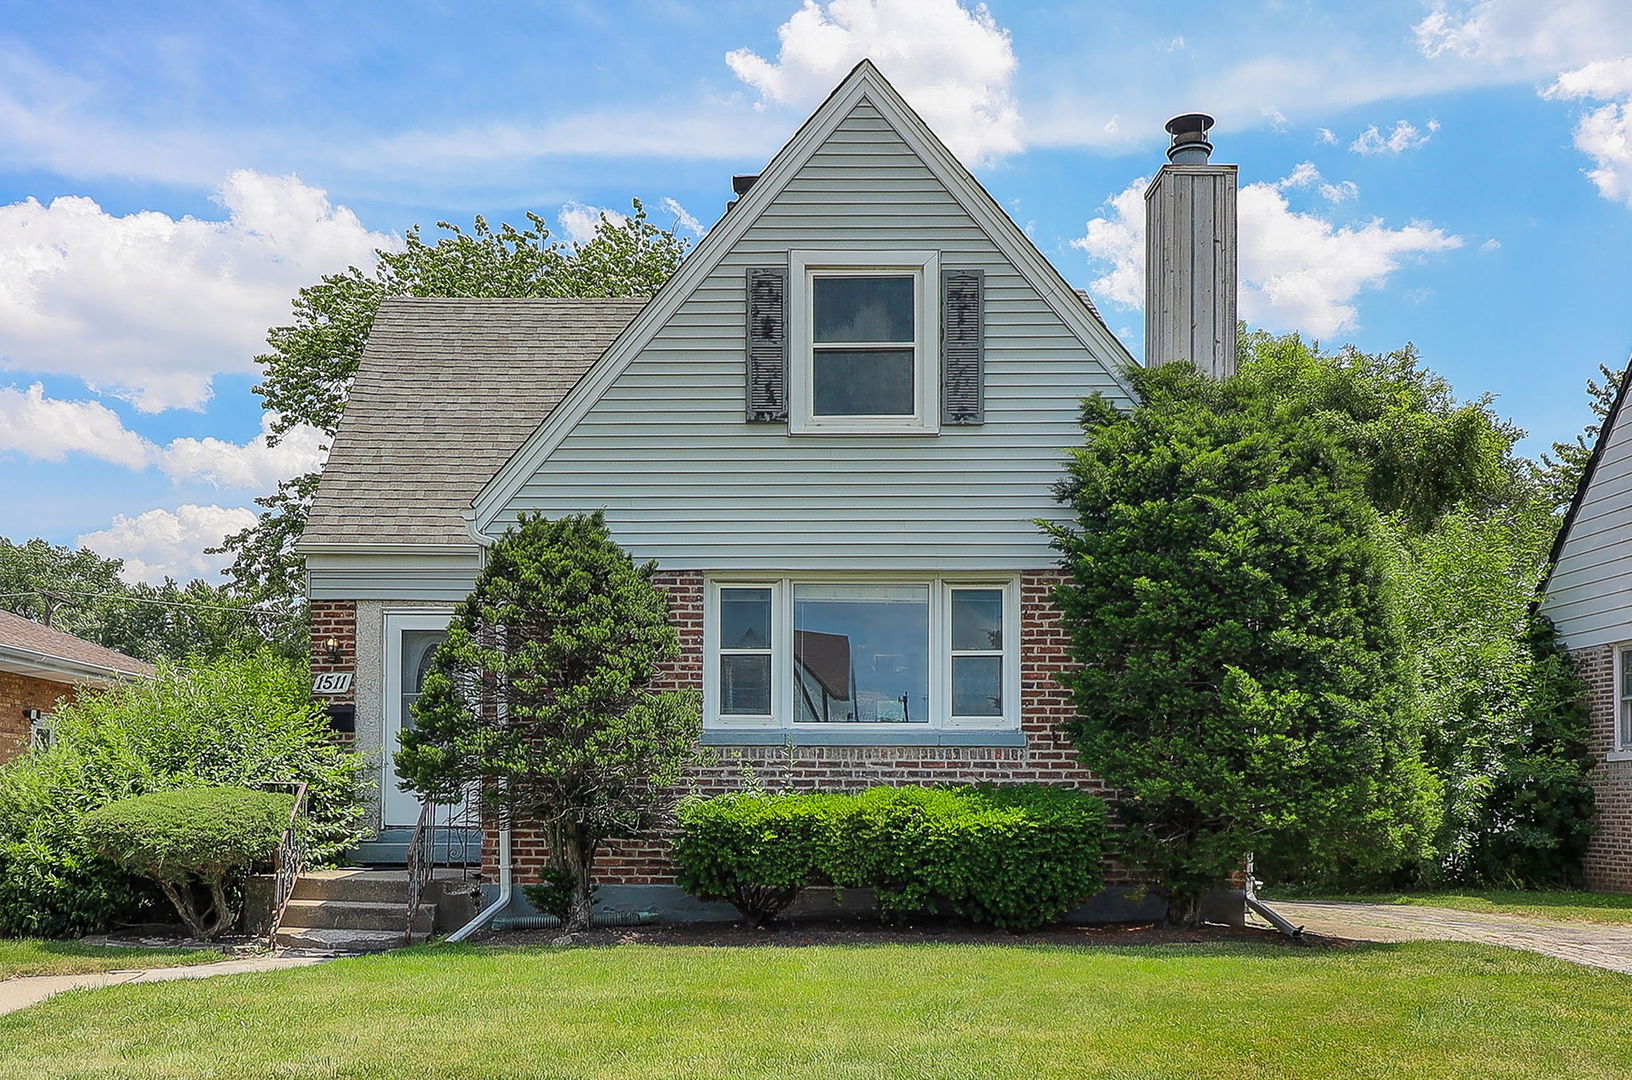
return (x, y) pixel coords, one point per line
(767, 385)
(963, 349)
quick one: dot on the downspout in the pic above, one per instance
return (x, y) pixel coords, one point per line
(506, 885)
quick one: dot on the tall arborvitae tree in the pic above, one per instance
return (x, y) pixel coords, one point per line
(1242, 683)
(541, 698)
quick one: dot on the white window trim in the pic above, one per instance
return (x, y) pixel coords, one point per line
(925, 268)
(940, 662)
(1620, 749)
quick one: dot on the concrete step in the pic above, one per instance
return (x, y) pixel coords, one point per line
(452, 847)
(355, 915)
(352, 883)
(297, 937)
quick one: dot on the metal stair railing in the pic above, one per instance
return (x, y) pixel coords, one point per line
(292, 858)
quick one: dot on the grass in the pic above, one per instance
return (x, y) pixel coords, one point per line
(1424, 1010)
(1538, 903)
(29, 956)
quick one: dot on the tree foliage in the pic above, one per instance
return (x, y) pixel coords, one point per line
(82, 593)
(1562, 468)
(1242, 681)
(541, 699)
(242, 720)
(308, 369)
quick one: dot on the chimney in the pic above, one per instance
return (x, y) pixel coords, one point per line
(740, 184)
(1190, 254)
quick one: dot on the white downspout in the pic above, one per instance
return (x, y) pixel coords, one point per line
(506, 882)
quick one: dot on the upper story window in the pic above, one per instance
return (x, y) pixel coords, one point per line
(863, 348)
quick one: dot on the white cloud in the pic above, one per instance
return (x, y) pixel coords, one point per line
(164, 543)
(1298, 271)
(1490, 245)
(49, 429)
(683, 218)
(955, 65)
(1326, 137)
(579, 221)
(1404, 136)
(1305, 175)
(1523, 31)
(150, 307)
(1603, 133)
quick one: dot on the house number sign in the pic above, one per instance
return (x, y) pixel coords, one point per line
(332, 682)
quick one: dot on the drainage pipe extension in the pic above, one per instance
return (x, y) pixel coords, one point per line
(506, 883)
(1274, 917)
(550, 922)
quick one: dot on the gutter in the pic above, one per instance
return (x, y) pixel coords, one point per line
(506, 887)
(38, 662)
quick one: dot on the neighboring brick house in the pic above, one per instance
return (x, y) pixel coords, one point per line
(835, 429)
(41, 668)
(1589, 598)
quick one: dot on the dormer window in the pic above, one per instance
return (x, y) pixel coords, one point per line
(863, 354)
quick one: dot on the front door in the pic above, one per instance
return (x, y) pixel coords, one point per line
(410, 639)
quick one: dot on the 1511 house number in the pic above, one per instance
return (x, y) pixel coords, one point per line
(332, 682)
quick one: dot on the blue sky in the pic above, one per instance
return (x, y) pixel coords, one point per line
(1453, 173)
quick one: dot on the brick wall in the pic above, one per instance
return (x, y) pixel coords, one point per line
(1609, 855)
(20, 692)
(1046, 758)
(336, 620)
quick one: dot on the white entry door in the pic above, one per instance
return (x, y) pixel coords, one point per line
(409, 641)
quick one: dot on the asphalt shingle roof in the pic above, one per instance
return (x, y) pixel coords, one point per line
(29, 637)
(447, 391)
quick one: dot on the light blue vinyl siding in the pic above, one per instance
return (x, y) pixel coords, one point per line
(1589, 595)
(684, 480)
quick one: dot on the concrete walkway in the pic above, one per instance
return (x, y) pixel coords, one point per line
(1604, 945)
(21, 993)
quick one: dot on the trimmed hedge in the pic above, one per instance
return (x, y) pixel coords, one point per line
(1016, 857)
(188, 838)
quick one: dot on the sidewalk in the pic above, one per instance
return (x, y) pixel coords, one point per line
(21, 993)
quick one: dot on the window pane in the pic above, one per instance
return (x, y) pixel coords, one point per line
(977, 619)
(745, 685)
(745, 618)
(1626, 674)
(861, 653)
(417, 647)
(863, 382)
(977, 686)
(862, 308)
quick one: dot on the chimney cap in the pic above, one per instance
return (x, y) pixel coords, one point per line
(741, 182)
(1190, 145)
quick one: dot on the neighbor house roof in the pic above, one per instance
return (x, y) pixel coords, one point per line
(446, 392)
(28, 648)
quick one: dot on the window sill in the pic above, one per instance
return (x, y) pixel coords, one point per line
(1618, 755)
(849, 737)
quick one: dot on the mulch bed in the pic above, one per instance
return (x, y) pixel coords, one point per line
(833, 932)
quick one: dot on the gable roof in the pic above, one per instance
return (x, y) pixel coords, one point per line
(864, 83)
(30, 648)
(446, 391)
(1587, 473)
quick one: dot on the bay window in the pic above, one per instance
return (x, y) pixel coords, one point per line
(862, 655)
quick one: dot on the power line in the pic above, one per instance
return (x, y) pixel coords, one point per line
(59, 593)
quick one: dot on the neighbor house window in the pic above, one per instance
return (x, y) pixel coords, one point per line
(862, 347)
(42, 730)
(1623, 700)
(905, 654)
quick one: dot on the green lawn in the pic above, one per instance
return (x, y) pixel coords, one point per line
(1539, 903)
(1426, 1010)
(27, 956)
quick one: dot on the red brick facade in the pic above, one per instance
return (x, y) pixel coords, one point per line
(1609, 855)
(1046, 758)
(17, 694)
(336, 621)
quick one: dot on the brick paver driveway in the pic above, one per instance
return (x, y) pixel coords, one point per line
(1596, 944)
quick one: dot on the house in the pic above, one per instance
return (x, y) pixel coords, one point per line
(1588, 595)
(41, 668)
(834, 429)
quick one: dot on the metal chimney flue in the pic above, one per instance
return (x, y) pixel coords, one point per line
(1190, 145)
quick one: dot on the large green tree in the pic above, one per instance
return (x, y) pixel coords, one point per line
(81, 593)
(310, 363)
(1243, 683)
(541, 698)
